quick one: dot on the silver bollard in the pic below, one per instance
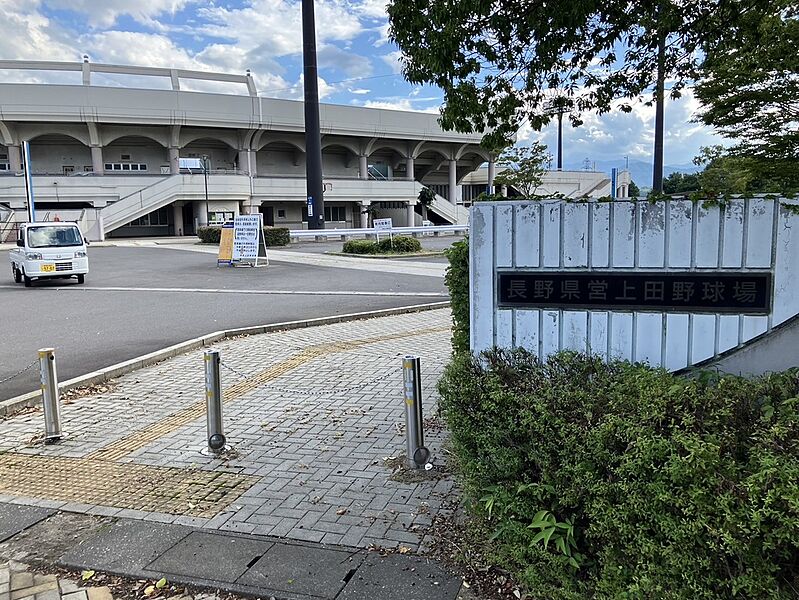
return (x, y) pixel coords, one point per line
(416, 453)
(213, 400)
(52, 409)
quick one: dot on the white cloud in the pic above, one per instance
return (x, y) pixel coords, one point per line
(405, 104)
(358, 91)
(104, 13)
(274, 26)
(354, 65)
(374, 9)
(618, 134)
(392, 59)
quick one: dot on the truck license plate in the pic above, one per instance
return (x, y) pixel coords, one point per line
(46, 268)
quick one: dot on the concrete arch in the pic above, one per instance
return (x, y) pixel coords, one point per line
(38, 132)
(433, 150)
(189, 137)
(397, 147)
(110, 138)
(329, 143)
(6, 135)
(471, 149)
(269, 141)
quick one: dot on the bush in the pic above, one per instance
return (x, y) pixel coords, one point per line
(276, 236)
(645, 484)
(209, 235)
(360, 247)
(401, 244)
(457, 280)
(273, 236)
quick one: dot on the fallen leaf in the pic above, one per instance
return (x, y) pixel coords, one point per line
(404, 550)
(148, 591)
(341, 511)
(161, 583)
(86, 575)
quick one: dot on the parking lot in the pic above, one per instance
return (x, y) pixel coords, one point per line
(140, 299)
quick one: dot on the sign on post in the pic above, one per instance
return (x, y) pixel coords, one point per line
(383, 225)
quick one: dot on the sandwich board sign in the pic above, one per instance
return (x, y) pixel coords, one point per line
(246, 242)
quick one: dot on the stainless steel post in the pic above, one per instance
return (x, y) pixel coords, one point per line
(417, 454)
(213, 400)
(52, 410)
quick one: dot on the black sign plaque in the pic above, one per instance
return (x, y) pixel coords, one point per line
(661, 291)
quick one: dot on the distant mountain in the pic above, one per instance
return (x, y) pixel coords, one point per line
(640, 170)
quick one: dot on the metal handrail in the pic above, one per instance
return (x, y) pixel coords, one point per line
(434, 229)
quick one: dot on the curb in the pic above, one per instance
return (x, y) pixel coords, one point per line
(32, 399)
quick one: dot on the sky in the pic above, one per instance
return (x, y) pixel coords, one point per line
(358, 65)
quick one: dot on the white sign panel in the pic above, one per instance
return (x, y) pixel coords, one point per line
(749, 238)
(246, 231)
(383, 224)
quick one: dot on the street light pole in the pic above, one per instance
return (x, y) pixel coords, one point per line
(313, 138)
(205, 177)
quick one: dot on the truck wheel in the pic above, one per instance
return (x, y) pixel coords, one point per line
(81, 278)
(17, 274)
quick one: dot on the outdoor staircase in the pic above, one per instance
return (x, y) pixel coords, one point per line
(451, 213)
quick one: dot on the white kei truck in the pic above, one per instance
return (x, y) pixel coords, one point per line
(49, 250)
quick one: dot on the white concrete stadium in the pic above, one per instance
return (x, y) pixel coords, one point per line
(110, 156)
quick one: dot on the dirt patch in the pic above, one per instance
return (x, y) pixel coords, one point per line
(402, 474)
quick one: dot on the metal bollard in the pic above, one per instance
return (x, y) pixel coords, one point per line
(213, 400)
(417, 454)
(52, 410)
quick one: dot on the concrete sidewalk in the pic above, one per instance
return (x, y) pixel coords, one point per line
(315, 420)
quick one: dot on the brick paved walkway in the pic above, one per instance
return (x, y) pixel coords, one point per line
(312, 414)
(18, 583)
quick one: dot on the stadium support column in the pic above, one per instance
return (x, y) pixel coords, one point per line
(313, 138)
(453, 181)
(97, 160)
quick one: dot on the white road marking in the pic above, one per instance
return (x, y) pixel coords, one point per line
(336, 262)
(78, 287)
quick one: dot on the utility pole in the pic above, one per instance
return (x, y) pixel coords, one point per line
(205, 178)
(657, 170)
(313, 138)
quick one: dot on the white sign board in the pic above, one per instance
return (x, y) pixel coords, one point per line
(383, 224)
(748, 237)
(246, 232)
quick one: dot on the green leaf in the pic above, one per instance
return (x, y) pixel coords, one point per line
(160, 583)
(86, 575)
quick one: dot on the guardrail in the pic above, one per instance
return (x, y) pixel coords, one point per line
(320, 234)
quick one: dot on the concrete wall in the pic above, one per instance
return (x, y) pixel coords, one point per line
(747, 235)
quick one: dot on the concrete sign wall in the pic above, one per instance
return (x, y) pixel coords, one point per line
(747, 238)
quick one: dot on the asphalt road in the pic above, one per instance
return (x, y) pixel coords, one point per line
(138, 300)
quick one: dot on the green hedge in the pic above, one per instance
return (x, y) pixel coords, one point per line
(457, 281)
(273, 236)
(360, 247)
(276, 236)
(209, 235)
(645, 484)
(401, 244)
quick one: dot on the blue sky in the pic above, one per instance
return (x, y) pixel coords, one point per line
(357, 63)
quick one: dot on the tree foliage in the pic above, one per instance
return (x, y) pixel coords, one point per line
(522, 167)
(501, 62)
(726, 173)
(634, 190)
(749, 86)
(678, 183)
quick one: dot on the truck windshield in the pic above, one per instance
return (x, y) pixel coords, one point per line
(53, 235)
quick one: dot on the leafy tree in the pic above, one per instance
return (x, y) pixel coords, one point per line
(678, 183)
(522, 167)
(426, 198)
(499, 62)
(634, 190)
(726, 173)
(750, 88)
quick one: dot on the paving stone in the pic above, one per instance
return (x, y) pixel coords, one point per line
(126, 547)
(211, 556)
(99, 593)
(79, 595)
(16, 517)
(400, 577)
(302, 570)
